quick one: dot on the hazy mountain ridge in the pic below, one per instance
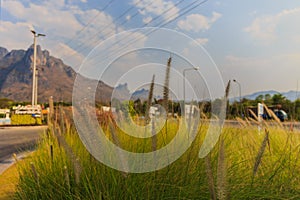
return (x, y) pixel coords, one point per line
(55, 78)
(290, 95)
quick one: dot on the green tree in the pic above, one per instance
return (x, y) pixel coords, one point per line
(278, 99)
(259, 98)
(6, 103)
(268, 99)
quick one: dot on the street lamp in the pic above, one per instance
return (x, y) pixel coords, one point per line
(34, 75)
(240, 91)
(187, 69)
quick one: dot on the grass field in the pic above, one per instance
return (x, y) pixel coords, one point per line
(8, 182)
(245, 164)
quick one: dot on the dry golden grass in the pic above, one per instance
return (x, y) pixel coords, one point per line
(241, 122)
(8, 182)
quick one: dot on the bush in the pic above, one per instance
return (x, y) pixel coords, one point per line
(25, 120)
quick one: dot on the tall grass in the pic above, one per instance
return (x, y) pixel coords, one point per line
(52, 172)
(166, 86)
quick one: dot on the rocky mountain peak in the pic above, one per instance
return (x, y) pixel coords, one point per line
(3, 52)
(54, 77)
(41, 56)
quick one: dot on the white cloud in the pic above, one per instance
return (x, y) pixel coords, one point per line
(198, 41)
(202, 41)
(97, 25)
(197, 22)
(147, 20)
(61, 22)
(166, 9)
(262, 28)
(247, 62)
(10, 35)
(47, 17)
(265, 28)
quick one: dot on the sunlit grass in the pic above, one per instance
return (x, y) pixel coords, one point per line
(8, 182)
(80, 176)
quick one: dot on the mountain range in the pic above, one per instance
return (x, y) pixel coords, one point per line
(57, 79)
(54, 77)
(143, 94)
(290, 95)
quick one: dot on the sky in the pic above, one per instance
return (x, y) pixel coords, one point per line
(254, 42)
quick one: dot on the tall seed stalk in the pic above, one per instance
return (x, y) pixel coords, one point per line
(210, 176)
(166, 100)
(67, 178)
(221, 172)
(221, 168)
(35, 173)
(260, 153)
(121, 155)
(166, 86)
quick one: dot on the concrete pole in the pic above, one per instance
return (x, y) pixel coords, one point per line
(36, 86)
(34, 71)
(34, 74)
(240, 97)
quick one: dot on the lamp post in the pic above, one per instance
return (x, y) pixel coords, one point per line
(34, 75)
(187, 69)
(240, 91)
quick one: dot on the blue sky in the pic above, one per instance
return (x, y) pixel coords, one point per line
(255, 42)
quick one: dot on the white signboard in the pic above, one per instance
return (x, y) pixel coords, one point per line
(260, 112)
(260, 109)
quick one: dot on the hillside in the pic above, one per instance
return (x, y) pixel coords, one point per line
(54, 77)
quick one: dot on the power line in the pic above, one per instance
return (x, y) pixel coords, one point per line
(102, 30)
(166, 11)
(158, 16)
(163, 13)
(184, 11)
(89, 22)
(93, 19)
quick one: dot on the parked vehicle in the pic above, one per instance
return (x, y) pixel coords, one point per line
(281, 114)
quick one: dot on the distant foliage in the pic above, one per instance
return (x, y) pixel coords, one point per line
(6, 103)
(25, 120)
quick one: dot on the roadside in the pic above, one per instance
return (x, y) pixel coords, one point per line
(4, 165)
(9, 176)
(20, 141)
(8, 183)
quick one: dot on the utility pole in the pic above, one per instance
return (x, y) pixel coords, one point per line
(36, 86)
(240, 94)
(34, 71)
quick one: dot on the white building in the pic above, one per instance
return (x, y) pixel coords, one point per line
(4, 117)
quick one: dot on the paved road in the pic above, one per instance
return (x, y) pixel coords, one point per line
(18, 139)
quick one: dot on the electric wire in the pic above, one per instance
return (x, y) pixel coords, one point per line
(184, 11)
